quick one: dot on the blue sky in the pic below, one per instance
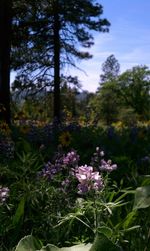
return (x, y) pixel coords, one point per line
(128, 39)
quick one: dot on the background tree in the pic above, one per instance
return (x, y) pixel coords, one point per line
(5, 29)
(110, 69)
(50, 35)
(105, 104)
(134, 88)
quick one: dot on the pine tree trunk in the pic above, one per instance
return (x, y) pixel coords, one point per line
(5, 45)
(56, 63)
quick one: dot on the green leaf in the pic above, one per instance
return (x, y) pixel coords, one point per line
(19, 212)
(132, 228)
(130, 219)
(23, 144)
(102, 243)
(106, 231)
(145, 180)
(49, 247)
(142, 197)
(81, 247)
(28, 243)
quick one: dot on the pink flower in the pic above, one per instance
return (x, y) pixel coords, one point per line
(89, 180)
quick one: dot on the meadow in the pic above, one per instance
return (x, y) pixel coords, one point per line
(82, 187)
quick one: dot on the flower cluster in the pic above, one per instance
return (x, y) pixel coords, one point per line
(88, 179)
(95, 160)
(50, 170)
(71, 158)
(4, 193)
(61, 162)
(101, 164)
(107, 166)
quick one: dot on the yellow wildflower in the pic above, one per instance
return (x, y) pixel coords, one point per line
(65, 139)
(119, 125)
(4, 129)
(24, 129)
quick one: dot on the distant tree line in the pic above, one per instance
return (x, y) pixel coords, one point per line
(121, 97)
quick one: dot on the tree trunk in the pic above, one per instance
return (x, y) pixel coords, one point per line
(5, 46)
(56, 63)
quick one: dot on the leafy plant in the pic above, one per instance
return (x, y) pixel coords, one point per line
(101, 243)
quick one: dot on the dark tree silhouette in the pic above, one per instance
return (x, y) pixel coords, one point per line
(56, 42)
(51, 34)
(5, 45)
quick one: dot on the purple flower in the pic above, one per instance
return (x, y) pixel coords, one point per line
(4, 193)
(83, 188)
(146, 159)
(71, 158)
(50, 170)
(65, 182)
(107, 166)
(89, 180)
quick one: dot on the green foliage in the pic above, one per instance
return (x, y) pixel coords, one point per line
(134, 88)
(106, 104)
(122, 97)
(142, 197)
(101, 243)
